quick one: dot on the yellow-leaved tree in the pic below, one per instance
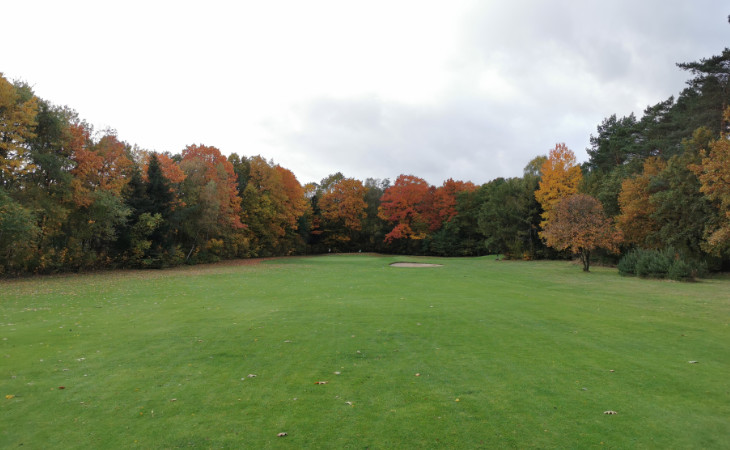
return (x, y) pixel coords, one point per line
(17, 126)
(561, 177)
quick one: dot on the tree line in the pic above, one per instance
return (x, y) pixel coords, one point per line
(72, 198)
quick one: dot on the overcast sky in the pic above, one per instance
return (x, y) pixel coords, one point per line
(470, 90)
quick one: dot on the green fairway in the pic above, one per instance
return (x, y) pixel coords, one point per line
(477, 353)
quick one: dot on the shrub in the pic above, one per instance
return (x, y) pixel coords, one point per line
(627, 264)
(680, 270)
(653, 263)
(666, 263)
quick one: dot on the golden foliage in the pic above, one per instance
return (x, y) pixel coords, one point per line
(561, 177)
(714, 175)
(635, 220)
(17, 122)
(345, 202)
(578, 223)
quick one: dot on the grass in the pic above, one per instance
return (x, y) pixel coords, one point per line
(509, 354)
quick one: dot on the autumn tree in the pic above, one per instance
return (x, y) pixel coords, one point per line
(443, 206)
(577, 223)
(263, 200)
(714, 175)
(342, 207)
(405, 205)
(212, 204)
(101, 171)
(636, 219)
(273, 203)
(294, 207)
(17, 123)
(460, 235)
(99, 166)
(210, 169)
(561, 177)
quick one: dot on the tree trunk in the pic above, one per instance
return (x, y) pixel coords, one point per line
(585, 257)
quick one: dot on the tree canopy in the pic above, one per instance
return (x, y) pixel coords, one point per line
(75, 198)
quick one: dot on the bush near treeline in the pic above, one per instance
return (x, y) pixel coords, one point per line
(74, 198)
(664, 263)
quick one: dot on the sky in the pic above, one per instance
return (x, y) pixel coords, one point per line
(463, 89)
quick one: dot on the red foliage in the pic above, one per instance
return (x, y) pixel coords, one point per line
(406, 204)
(444, 202)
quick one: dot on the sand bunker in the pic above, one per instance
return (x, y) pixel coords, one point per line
(411, 264)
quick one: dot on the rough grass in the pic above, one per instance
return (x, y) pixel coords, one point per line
(509, 354)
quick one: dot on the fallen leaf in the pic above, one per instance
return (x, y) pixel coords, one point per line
(321, 382)
(337, 373)
(9, 396)
(611, 370)
(456, 400)
(418, 374)
(251, 375)
(62, 387)
(173, 399)
(349, 403)
(610, 412)
(282, 434)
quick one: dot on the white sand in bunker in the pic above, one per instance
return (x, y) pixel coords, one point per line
(412, 264)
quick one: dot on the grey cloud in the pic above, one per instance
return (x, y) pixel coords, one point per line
(463, 138)
(563, 67)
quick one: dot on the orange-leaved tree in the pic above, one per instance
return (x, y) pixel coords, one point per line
(102, 170)
(405, 204)
(714, 175)
(561, 177)
(170, 169)
(443, 208)
(295, 202)
(342, 207)
(100, 166)
(578, 223)
(636, 220)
